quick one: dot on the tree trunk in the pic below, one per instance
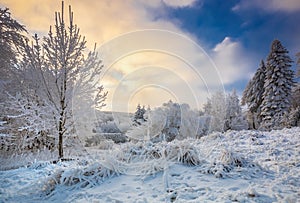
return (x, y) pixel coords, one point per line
(60, 137)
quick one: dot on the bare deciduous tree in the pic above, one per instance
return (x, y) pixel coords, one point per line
(57, 71)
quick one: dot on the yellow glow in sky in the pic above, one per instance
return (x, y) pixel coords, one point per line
(138, 50)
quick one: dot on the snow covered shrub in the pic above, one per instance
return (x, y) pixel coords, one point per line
(115, 137)
(106, 144)
(146, 158)
(226, 162)
(100, 141)
(88, 176)
(180, 151)
(51, 182)
(77, 175)
(183, 152)
(109, 127)
(93, 141)
(230, 159)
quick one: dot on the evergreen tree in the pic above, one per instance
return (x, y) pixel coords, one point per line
(252, 95)
(234, 119)
(277, 87)
(294, 115)
(139, 115)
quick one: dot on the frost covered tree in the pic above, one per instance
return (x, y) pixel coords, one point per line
(139, 115)
(252, 96)
(294, 115)
(277, 87)
(59, 75)
(234, 119)
(11, 41)
(215, 108)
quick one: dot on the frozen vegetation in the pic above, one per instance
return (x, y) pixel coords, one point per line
(236, 166)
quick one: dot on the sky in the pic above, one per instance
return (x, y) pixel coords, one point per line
(156, 50)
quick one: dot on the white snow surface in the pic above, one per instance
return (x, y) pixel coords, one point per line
(244, 166)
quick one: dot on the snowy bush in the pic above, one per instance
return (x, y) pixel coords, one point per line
(183, 152)
(78, 177)
(145, 158)
(227, 161)
(104, 141)
(109, 127)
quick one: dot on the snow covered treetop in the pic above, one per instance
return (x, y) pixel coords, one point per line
(277, 47)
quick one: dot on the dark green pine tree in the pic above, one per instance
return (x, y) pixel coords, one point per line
(252, 95)
(139, 115)
(279, 81)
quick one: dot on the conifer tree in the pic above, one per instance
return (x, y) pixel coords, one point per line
(277, 87)
(139, 115)
(294, 115)
(252, 95)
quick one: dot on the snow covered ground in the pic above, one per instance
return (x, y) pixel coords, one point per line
(245, 166)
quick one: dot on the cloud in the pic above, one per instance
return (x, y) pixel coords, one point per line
(269, 5)
(179, 3)
(141, 50)
(231, 61)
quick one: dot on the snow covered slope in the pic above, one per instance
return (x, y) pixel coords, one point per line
(245, 166)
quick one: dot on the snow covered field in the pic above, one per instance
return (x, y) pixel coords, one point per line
(245, 166)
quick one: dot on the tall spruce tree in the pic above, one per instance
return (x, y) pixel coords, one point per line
(252, 95)
(277, 87)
